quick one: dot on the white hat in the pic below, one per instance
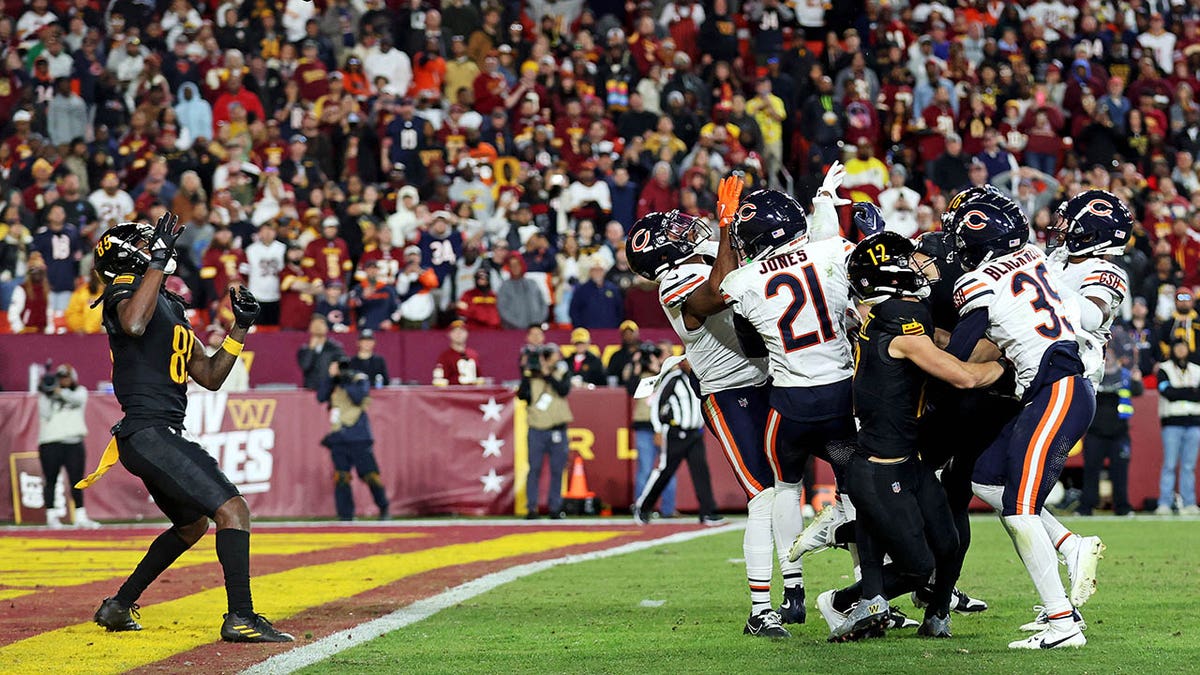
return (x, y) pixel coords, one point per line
(22, 116)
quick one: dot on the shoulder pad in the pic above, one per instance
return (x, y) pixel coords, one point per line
(971, 292)
(681, 282)
(1105, 278)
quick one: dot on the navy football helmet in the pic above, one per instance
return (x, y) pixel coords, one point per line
(659, 241)
(124, 249)
(986, 228)
(882, 266)
(767, 220)
(968, 195)
(867, 218)
(1093, 222)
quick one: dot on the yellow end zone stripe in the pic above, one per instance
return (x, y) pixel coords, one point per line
(189, 622)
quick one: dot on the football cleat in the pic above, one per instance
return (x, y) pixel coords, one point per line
(935, 626)
(766, 623)
(1052, 638)
(115, 617)
(819, 533)
(1042, 622)
(959, 602)
(831, 615)
(713, 520)
(869, 618)
(254, 628)
(1081, 568)
(792, 610)
(898, 619)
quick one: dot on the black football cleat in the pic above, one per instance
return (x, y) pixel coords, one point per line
(935, 626)
(254, 628)
(766, 624)
(792, 610)
(115, 617)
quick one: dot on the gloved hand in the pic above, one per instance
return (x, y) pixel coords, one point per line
(162, 242)
(729, 194)
(245, 306)
(833, 180)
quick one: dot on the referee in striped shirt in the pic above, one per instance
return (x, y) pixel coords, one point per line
(675, 414)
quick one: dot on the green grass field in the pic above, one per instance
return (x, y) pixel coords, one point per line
(589, 617)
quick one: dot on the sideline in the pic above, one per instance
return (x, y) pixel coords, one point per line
(315, 652)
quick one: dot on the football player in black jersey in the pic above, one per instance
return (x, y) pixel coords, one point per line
(154, 352)
(902, 510)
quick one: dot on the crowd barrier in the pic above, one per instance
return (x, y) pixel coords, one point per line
(457, 450)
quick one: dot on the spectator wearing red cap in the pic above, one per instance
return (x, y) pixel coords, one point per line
(458, 364)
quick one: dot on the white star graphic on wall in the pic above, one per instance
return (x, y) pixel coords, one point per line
(491, 482)
(491, 410)
(491, 445)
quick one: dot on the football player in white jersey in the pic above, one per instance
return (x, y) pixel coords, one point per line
(795, 293)
(1008, 296)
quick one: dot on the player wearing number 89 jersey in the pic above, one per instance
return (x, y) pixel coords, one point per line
(1009, 297)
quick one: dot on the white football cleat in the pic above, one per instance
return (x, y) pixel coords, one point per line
(52, 520)
(1081, 568)
(83, 522)
(819, 533)
(825, 605)
(1042, 622)
(1052, 638)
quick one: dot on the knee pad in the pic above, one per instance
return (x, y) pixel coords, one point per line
(760, 504)
(341, 478)
(373, 479)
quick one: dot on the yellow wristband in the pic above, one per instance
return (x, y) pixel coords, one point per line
(232, 346)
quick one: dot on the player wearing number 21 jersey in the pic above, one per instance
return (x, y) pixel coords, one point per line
(1008, 296)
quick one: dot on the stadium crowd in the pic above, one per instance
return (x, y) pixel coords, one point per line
(400, 165)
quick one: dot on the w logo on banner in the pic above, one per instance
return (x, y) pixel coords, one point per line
(254, 413)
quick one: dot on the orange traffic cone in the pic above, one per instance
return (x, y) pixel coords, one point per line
(577, 488)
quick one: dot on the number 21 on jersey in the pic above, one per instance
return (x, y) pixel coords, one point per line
(181, 352)
(802, 291)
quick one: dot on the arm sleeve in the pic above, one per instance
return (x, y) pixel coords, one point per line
(560, 384)
(523, 389)
(305, 358)
(324, 389)
(969, 331)
(358, 389)
(74, 398)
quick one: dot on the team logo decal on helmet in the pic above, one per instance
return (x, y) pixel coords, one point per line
(975, 220)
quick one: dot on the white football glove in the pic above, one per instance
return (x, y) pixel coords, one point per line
(833, 181)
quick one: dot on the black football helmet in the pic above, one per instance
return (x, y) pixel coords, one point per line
(867, 218)
(767, 220)
(882, 266)
(968, 195)
(124, 249)
(659, 241)
(1093, 222)
(986, 228)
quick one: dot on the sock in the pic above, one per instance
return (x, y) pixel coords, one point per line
(787, 522)
(870, 563)
(233, 550)
(1029, 538)
(1063, 539)
(853, 549)
(164, 550)
(993, 495)
(757, 547)
(845, 598)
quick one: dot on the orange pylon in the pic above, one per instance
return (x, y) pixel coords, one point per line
(577, 488)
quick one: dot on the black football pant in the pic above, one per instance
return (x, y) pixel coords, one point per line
(903, 512)
(55, 456)
(1097, 449)
(679, 445)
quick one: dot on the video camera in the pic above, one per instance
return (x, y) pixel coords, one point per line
(346, 373)
(531, 358)
(51, 376)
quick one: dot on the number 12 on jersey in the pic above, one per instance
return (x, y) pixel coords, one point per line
(802, 291)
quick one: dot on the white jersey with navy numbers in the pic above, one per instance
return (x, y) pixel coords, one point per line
(797, 300)
(713, 348)
(1026, 313)
(1105, 282)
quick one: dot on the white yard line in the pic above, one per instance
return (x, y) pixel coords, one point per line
(314, 652)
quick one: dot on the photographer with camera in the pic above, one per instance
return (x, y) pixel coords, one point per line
(347, 393)
(644, 364)
(545, 384)
(61, 404)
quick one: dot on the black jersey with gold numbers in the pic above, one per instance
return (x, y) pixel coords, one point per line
(888, 392)
(149, 372)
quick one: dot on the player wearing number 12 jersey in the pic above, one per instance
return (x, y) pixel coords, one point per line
(154, 352)
(796, 295)
(1008, 296)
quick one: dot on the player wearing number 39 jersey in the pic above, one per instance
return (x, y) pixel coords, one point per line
(1009, 297)
(154, 353)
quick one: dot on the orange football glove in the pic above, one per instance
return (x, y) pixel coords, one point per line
(729, 194)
